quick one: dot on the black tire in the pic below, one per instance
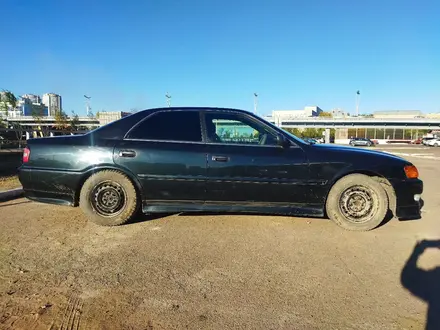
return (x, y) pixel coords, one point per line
(109, 198)
(352, 144)
(435, 144)
(354, 192)
(369, 144)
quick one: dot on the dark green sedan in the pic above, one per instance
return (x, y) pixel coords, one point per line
(216, 160)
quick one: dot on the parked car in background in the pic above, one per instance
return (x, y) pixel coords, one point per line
(417, 141)
(361, 142)
(310, 140)
(433, 142)
(425, 140)
(215, 160)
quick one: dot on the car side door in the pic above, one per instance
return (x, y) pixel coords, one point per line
(247, 165)
(166, 153)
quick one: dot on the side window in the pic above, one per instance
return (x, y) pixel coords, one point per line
(172, 125)
(236, 129)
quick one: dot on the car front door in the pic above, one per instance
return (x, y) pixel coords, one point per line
(165, 152)
(247, 165)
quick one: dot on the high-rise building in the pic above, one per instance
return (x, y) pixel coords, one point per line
(53, 103)
(32, 98)
(28, 108)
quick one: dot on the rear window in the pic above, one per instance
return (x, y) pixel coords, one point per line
(118, 129)
(174, 125)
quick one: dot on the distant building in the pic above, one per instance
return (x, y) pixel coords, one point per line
(34, 109)
(32, 98)
(311, 111)
(434, 115)
(53, 103)
(338, 113)
(105, 117)
(30, 105)
(398, 114)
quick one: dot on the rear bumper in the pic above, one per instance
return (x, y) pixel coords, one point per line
(46, 186)
(407, 207)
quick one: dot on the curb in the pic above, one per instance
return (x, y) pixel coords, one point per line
(11, 194)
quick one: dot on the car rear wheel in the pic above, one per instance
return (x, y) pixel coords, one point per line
(435, 144)
(369, 144)
(357, 202)
(109, 198)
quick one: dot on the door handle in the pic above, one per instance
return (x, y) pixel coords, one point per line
(127, 153)
(220, 158)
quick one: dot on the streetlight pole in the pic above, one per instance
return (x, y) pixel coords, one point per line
(255, 103)
(87, 104)
(168, 98)
(358, 97)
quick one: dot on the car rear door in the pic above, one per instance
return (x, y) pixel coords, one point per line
(244, 168)
(165, 152)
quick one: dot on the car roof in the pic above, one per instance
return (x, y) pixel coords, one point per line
(198, 109)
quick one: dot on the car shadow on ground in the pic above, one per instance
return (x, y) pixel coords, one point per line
(141, 217)
(424, 284)
(156, 216)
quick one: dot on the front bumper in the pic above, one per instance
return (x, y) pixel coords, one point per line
(407, 206)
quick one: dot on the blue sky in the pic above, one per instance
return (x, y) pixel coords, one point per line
(293, 53)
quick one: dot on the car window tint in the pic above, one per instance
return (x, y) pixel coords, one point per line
(234, 129)
(169, 126)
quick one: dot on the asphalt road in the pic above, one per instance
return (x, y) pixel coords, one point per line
(58, 271)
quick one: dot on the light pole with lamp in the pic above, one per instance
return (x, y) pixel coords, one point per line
(168, 98)
(358, 98)
(255, 103)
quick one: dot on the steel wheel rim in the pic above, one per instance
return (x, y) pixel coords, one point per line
(357, 204)
(108, 198)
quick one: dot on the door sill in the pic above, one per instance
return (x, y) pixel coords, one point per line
(309, 210)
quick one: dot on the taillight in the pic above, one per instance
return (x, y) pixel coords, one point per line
(26, 154)
(411, 172)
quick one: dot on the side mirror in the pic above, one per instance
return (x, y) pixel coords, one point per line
(282, 141)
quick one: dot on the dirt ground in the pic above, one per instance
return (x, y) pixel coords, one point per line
(9, 182)
(58, 271)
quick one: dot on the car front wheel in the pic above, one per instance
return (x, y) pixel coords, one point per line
(109, 198)
(435, 144)
(357, 202)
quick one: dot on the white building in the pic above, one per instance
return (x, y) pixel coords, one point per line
(338, 113)
(280, 115)
(32, 98)
(53, 103)
(289, 114)
(398, 114)
(434, 115)
(105, 117)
